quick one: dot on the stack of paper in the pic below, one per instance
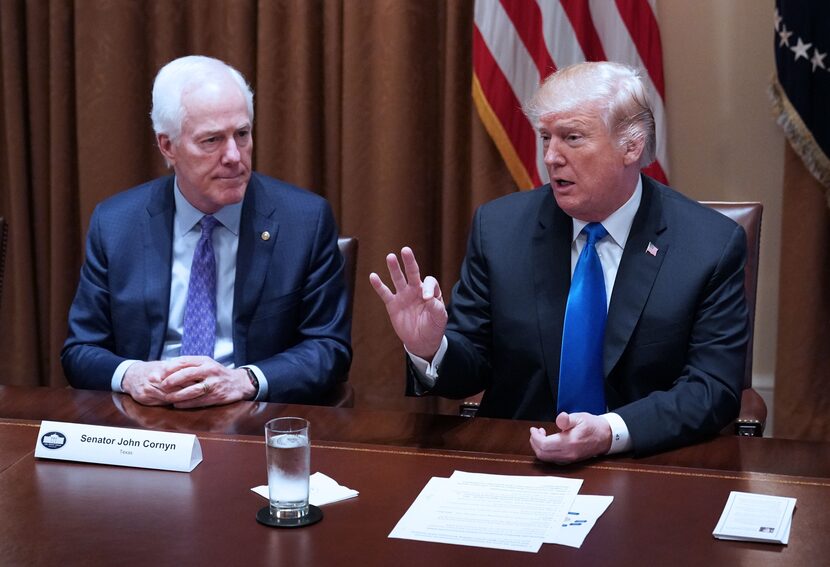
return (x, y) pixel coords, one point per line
(518, 513)
(756, 517)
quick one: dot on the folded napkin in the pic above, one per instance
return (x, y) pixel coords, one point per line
(322, 490)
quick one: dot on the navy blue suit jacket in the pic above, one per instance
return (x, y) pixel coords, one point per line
(677, 327)
(289, 316)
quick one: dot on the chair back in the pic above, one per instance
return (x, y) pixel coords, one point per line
(342, 394)
(753, 416)
(748, 215)
(348, 247)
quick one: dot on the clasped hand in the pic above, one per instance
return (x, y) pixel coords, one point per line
(581, 436)
(416, 308)
(186, 382)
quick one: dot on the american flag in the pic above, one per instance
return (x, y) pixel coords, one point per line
(518, 43)
(800, 89)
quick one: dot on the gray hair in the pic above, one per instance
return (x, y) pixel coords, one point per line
(617, 90)
(179, 76)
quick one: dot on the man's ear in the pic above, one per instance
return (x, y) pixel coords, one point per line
(166, 148)
(633, 151)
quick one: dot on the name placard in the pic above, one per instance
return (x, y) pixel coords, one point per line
(118, 446)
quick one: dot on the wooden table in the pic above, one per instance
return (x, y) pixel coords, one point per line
(665, 507)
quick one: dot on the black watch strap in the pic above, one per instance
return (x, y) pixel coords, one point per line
(254, 380)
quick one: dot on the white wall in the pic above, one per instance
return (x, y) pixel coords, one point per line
(723, 141)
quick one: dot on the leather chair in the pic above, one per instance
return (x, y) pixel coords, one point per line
(4, 233)
(342, 395)
(753, 415)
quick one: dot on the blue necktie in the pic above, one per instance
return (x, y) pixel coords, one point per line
(199, 334)
(581, 379)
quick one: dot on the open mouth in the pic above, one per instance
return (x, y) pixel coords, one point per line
(562, 183)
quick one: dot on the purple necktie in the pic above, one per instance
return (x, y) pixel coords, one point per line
(199, 335)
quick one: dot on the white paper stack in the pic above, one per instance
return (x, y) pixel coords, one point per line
(756, 517)
(518, 513)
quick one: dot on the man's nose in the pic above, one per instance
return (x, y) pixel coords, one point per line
(552, 154)
(231, 152)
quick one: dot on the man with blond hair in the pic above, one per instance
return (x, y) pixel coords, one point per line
(604, 300)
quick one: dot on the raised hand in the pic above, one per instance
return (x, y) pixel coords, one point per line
(416, 308)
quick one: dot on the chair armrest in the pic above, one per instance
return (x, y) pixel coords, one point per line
(753, 416)
(468, 409)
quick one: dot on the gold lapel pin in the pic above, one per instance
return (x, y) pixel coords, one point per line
(265, 235)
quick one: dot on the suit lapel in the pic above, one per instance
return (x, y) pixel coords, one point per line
(551, 277)
(158, 259)
(253, 257)
(637, 272)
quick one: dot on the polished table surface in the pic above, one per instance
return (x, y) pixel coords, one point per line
(665, 507)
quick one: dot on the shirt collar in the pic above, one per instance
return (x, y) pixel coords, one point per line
(618, 224)
(187, 216)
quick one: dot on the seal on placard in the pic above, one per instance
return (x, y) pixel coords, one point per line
(53, 440)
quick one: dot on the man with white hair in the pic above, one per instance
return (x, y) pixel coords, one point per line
(215, 284)
(603, 301)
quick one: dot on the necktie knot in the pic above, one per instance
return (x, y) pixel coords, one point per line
(595, 232)
(208, 223)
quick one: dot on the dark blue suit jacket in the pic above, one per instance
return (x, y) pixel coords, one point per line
(676, 333)
(290, 300)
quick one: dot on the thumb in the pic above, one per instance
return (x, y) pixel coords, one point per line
(564, 422)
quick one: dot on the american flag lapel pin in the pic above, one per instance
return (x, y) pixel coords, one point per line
(651, 249)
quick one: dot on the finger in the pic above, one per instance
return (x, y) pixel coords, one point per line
(183, 377)
(193, 392)
(174, 364)
(380, 288)
(398, 279)
(150, 395)
(431, 289)
(413, 273)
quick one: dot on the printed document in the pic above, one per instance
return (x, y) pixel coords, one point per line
(756, 517)
(485, 510)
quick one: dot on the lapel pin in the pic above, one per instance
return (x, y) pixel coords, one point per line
(651, 249)
(265, 235)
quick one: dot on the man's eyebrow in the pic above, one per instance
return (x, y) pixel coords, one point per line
(209, 133)
(571, 123)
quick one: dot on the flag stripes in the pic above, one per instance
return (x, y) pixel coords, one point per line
(517, 43)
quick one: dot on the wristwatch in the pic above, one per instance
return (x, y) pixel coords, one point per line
(254, 381)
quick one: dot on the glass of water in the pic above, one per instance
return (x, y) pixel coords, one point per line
(289, 456)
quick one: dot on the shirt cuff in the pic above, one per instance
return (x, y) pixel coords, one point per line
(427, 372)
(620, 439)
(262, 393)
(118, 375)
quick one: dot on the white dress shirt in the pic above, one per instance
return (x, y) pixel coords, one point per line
(225, 238)
(610, 251)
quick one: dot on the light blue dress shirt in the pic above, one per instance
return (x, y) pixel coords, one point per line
(186, 233)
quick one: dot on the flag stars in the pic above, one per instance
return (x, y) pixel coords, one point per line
(800, 49)
(818, 59)
(778, 19)
(784, 35)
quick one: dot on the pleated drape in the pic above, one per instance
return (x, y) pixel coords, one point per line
(366, 102)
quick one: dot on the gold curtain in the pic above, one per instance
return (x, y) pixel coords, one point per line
(365, 102)
(802, 400)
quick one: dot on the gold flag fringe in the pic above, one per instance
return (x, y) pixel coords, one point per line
(800, 137)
